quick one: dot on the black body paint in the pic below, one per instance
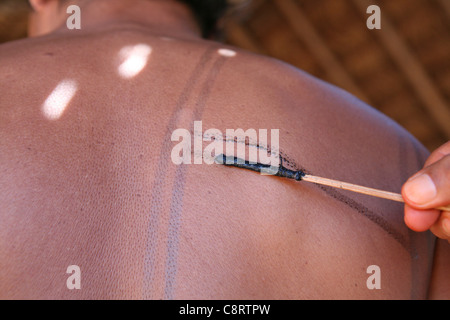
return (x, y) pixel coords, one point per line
(258, 167)
(332, 192)
(409, 242)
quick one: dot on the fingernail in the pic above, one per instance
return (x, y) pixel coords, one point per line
(420, 189)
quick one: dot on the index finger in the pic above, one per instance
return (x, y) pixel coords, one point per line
(438, 154)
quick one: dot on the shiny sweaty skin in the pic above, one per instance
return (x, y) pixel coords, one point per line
(95, 186)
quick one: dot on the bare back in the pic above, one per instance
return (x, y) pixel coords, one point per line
(92, 183)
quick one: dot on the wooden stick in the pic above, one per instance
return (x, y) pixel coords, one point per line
(301, 176)
(360, 189)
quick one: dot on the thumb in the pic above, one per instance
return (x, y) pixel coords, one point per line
(430, 188)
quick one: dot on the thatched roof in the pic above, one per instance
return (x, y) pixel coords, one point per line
(403, 69)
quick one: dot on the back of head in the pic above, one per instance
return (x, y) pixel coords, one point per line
(207, 13)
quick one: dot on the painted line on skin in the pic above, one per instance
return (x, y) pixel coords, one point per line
(209, 84)
(179, 187)
(369, 214)
(150, 269)
(409, 243)
(176, 209)
(150, 261)
(337, 195)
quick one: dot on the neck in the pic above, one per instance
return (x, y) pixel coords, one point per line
(163, 17)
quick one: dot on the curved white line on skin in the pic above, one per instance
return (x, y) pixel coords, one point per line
(59, 99)
(134, 59)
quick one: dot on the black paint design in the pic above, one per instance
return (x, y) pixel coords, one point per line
(281, 171)
(332, 192)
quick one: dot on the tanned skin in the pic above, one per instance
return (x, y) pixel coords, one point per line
(95, 186)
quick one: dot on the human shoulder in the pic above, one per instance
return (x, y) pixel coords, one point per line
(297, 91)
(20, 55)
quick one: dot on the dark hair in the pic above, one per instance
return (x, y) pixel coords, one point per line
(207, 13)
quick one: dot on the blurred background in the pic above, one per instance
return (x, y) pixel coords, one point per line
(403, 70)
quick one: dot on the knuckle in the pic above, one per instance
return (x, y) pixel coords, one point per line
(445, 148)
(441, 170)
(446, 167)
